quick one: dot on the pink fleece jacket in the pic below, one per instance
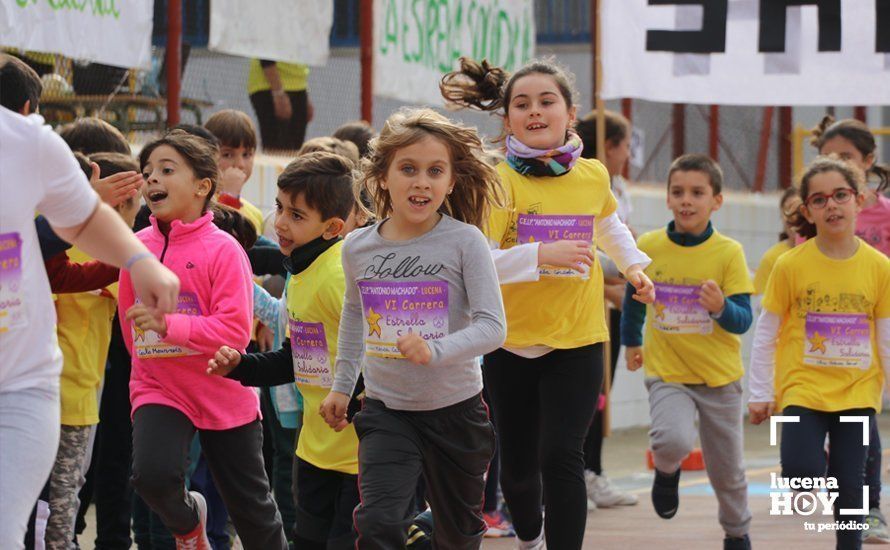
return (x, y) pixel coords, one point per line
(215, 308)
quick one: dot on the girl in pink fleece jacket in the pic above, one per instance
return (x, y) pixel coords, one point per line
(172, 397)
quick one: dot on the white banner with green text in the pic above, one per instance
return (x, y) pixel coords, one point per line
(113, 33)
(417, 41)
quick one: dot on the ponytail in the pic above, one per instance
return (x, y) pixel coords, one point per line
(476, 85)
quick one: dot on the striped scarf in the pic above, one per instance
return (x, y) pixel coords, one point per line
(539, 162)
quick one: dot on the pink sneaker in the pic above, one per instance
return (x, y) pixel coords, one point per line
(497, 525)
(197, 539)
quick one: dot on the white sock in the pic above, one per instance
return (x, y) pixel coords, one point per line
(536, 544)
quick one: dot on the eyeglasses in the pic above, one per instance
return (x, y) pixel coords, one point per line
(819, 201)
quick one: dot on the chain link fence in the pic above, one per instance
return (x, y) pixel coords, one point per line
(134, 100)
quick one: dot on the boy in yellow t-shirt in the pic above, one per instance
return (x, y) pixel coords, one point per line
(314, 200)
(692, 345)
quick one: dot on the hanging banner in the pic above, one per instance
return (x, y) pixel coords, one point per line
(415, 43)
(294, 31)
(109, 32)
(747, 52)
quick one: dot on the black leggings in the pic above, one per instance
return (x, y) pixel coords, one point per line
(803, 455)
(593, 445)
(543, 408)
(162, 437)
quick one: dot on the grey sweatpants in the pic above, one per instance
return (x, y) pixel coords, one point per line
(29, 437)
(672, 437)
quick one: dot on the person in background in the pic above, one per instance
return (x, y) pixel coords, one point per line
(600, 491)
(279, 93)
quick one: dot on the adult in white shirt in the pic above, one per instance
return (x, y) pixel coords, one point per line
(39, 173)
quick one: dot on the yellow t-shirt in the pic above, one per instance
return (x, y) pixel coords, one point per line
(314, 302)
(84, 331)
(294, 78)
(682, 343)
(826, 355)
(253, 214)
(761, 276)
(563, 309)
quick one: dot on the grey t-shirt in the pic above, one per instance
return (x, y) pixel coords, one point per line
(441, 285)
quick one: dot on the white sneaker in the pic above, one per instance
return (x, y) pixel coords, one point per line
(537, 544)
(197, 539)
(601, 492)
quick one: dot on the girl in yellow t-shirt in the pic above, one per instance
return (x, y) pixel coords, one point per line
(788, 205)
(545, 382)
(825, 332)
(853, 141)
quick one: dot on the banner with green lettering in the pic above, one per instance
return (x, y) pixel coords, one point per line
(106, 31)
(416, 41)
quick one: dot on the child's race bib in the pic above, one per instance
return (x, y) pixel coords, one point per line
(541, 228)
(148, 344)
(12, 308)
(837, 340)
(392, 309)
(309, 347)
(678, 311)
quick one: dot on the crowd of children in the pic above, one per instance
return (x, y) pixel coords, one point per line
(421, 322)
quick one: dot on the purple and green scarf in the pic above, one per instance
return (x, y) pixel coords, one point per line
(540, 162)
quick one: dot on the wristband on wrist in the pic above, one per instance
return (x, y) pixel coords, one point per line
(136, 257)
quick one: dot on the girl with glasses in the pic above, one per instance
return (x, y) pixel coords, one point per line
(821, 339)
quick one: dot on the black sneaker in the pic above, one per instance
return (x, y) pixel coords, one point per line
(421, 531)
(665, 497)
(737, 543)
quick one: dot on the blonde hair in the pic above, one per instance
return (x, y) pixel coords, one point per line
(477, 187)
(329, 144)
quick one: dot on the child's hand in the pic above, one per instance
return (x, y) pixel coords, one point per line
(232, 180)
(645, 289)
(571, 254)
(116, 188)
(711, 297)
(414, 348)
(146, 318)
(758, 412)
(634, 357)
(224, 361)
(333, 410)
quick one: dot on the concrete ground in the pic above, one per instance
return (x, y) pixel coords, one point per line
(695, 525)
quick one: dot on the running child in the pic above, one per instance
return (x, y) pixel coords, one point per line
(559, 208)
(314, 199)
(171, 395)
(824, 334)
(853, 142)
(422, 303)
(789, 203)
(691, 349)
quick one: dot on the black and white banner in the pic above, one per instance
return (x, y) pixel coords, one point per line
(747, 52)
